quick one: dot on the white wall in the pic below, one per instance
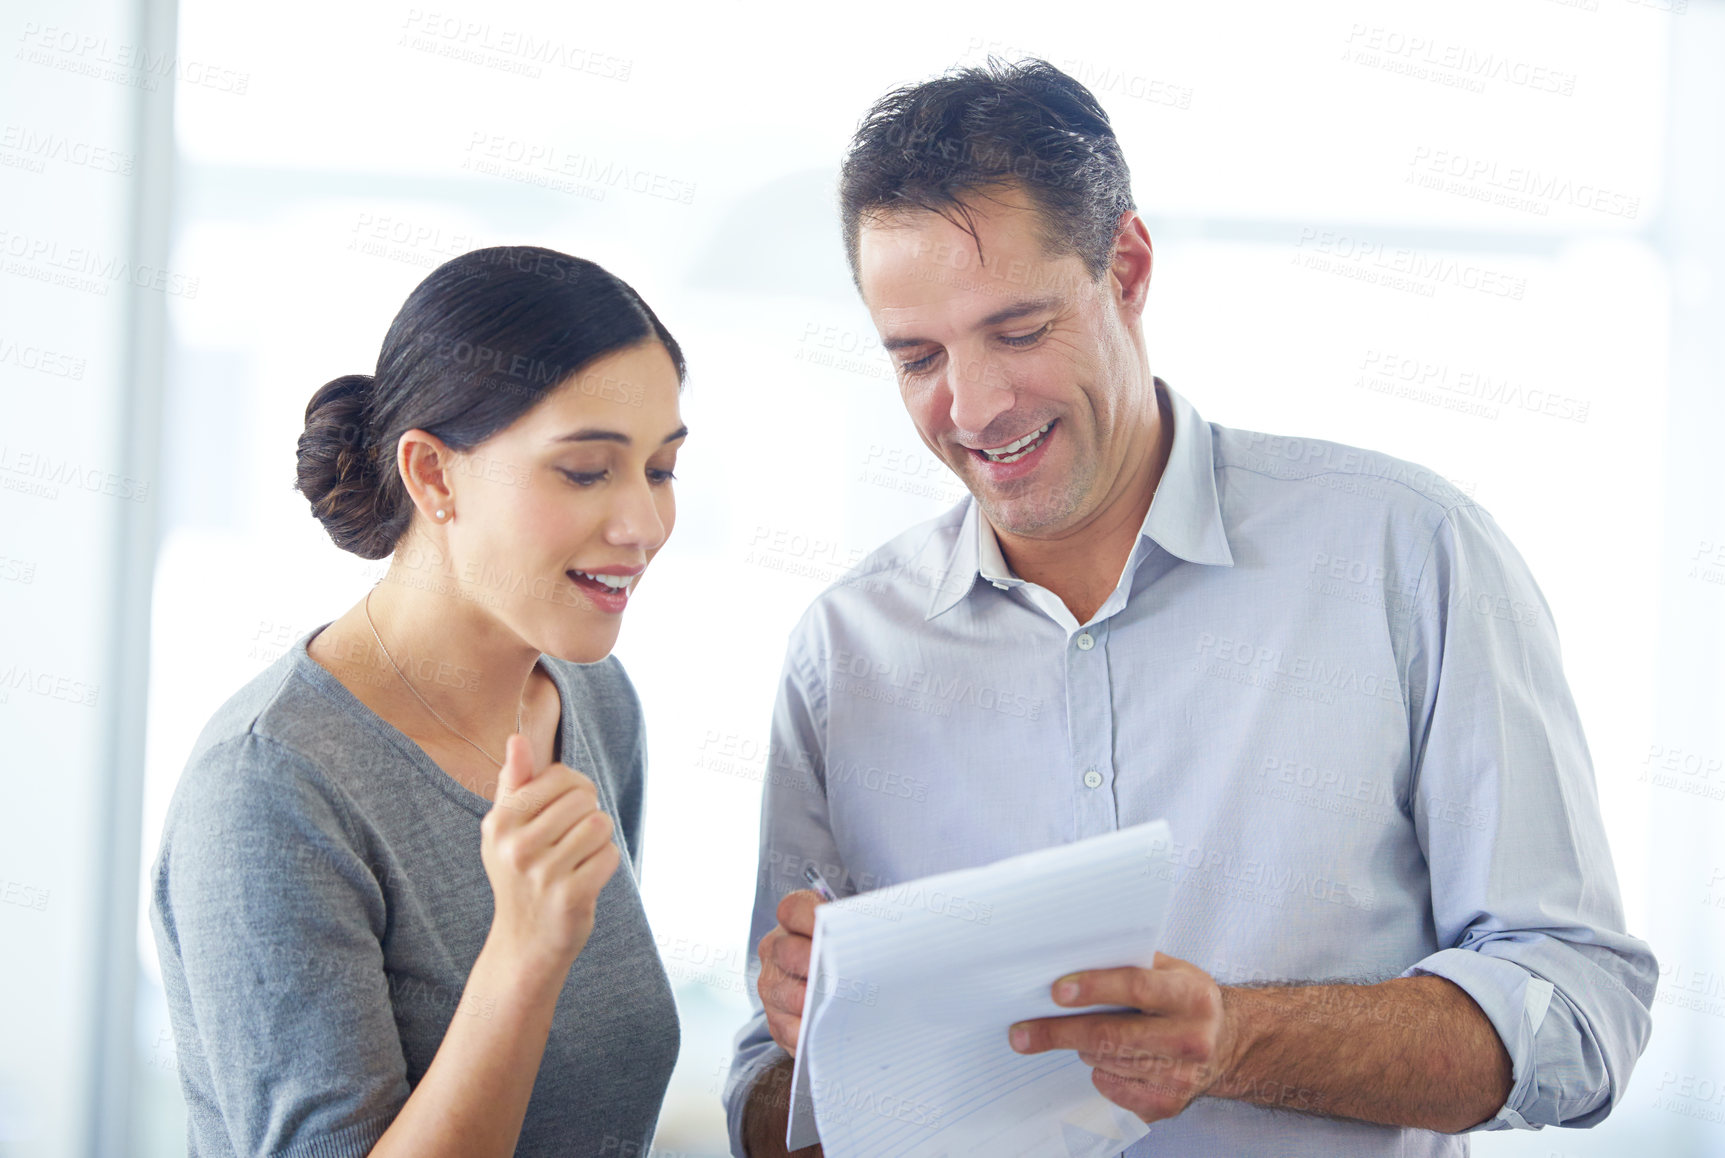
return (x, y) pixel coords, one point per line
(84, 157)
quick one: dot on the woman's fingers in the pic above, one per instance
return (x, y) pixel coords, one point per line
(548, 851)
(589, 878)
(585, 837)
(513, 803)
(557, 817)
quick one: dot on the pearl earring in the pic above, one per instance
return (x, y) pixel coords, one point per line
(440, 512)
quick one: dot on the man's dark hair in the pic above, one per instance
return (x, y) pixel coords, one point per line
(976, 130)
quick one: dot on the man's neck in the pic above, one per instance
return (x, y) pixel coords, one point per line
(1083, 565)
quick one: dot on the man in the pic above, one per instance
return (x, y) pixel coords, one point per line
(1395, 917)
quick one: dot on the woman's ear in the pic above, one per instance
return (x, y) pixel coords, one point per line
(426, 464)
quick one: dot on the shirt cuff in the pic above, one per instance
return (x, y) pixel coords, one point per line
(355, 1141)
(1515, 1002)
(739, 1081)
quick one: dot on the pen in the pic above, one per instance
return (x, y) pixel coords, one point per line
(817, 882)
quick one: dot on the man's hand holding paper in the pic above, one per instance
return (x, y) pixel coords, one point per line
(911, 990)
(784, 954)
(1178, 1040)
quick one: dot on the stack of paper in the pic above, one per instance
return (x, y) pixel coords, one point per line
(903, 1047)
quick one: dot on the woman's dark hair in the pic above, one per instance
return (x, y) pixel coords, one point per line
(477, 344)
(972, 130)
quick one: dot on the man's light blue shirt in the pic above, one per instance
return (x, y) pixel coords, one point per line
(1334, 676)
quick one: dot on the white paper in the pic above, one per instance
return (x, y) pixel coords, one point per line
(902, 1049)
(800, 1130)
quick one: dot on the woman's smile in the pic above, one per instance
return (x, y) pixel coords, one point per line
(609, 589)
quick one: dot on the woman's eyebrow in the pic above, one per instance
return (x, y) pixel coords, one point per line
(593, 435)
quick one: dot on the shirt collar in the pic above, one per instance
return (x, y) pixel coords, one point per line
(1185, 517)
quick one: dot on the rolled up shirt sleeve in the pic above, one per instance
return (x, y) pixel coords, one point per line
(1523, 890)
(794, 832)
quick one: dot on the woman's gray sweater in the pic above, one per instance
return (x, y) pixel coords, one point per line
(318, 902)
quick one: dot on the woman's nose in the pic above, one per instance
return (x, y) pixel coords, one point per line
(635, 521)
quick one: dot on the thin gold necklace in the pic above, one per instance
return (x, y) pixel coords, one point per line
(421, 698)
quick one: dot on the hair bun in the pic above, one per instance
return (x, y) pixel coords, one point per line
(338, 472)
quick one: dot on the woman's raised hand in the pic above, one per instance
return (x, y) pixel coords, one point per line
(547, 850)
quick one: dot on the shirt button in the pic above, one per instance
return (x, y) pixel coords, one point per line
(1085, 642)
(1092, 778)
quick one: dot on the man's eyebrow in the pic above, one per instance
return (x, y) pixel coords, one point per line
(1020, 309)
(591, 435)
(1007, 314)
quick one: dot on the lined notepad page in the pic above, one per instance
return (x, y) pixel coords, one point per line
(902, 1049)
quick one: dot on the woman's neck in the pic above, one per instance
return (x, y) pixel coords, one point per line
(465, 667)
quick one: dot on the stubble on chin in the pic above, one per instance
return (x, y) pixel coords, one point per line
(1031, 508)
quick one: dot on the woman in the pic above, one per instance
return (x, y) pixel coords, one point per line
(385, 902)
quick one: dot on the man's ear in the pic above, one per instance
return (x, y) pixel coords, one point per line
(426, 464)
(1129, 273)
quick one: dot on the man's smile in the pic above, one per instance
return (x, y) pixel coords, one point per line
(1017, 449)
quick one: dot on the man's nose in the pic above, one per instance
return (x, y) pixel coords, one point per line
(980, 392)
